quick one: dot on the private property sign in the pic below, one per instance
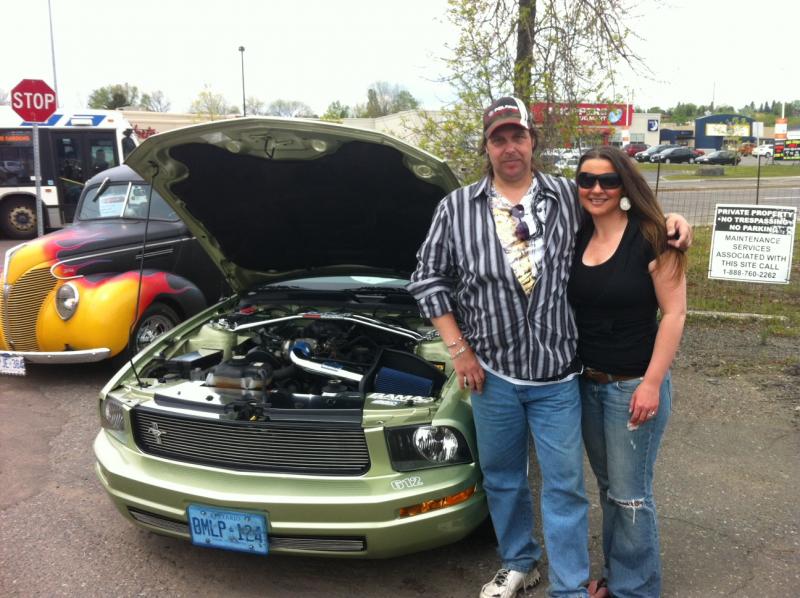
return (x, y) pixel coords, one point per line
(752, 243)
(33, 100)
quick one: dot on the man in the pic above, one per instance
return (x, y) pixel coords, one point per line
(492, 277)
(100, 163)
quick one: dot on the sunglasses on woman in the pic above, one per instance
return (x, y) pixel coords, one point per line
(609, 180)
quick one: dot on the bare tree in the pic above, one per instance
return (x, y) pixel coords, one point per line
(539, 50)
(291, 108)
(155, 102)
(212, 105)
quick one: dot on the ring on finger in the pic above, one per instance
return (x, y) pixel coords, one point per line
(651, 414)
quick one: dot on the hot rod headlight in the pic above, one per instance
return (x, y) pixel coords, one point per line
(421, 447)
(66, 300)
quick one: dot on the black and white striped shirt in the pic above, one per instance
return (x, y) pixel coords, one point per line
(462, 269)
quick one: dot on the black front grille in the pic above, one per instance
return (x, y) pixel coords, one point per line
(322, 449)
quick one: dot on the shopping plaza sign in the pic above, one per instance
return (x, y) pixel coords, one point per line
(588, 115)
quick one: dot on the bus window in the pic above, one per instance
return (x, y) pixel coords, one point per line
(16, 158)
(102, 151)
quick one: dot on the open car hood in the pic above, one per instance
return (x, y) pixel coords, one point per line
(275, 199)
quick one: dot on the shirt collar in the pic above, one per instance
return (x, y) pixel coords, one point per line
(544, 181)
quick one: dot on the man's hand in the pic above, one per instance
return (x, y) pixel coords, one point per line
(678, 224)
(469, 372)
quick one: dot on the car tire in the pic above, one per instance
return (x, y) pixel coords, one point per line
(18, 217)
(155, 321)
(667, 161)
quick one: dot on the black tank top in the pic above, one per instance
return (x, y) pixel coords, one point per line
(615, 304)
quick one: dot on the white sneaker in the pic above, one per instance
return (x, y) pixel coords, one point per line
(508, 583)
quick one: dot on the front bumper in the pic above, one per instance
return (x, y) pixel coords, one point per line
(353, 517)
(82, 356)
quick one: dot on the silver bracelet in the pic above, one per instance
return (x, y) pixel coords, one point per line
(461, 350)
(454, 343)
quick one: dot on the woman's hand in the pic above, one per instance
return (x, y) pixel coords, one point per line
(644, 403)
(468, 369)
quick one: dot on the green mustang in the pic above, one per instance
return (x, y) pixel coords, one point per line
(313, 412)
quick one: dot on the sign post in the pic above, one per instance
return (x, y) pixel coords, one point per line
(35, 102)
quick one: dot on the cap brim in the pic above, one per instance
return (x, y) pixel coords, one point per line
(504, 121)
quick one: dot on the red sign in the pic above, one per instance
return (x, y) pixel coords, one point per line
(588, 115)
(33, 100)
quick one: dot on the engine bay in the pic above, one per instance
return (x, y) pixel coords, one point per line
(257, 364)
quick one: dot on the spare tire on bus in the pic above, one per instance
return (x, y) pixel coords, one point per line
(18, 217)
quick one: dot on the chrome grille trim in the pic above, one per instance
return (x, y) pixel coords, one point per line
(325, 544)
(335, 449)
(24, 300)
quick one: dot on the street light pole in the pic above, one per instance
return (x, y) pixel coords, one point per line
(244, 104)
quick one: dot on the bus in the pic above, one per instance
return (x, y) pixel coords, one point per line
(73, 147)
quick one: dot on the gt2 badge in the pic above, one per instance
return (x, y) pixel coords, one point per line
(405, 483)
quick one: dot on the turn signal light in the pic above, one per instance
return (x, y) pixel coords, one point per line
(437, 503)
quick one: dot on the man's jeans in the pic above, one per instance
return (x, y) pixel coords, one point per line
(623, 461)
(503, 415)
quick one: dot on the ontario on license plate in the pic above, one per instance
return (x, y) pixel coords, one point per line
(12, 364)
(231, 530)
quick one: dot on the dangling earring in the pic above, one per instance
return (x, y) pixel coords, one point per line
(624, 204)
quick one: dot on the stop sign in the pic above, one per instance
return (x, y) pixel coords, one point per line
(33, 100)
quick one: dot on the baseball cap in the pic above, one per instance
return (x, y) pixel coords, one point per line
(505, 111)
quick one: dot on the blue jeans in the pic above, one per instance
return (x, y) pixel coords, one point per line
(623, 462)
(504, 414)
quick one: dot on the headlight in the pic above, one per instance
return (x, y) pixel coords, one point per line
(66, 300)
(421, 447)
(112, 414)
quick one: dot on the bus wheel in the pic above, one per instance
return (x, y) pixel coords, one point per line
(18, 218)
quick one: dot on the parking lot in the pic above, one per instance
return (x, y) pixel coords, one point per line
(727, 485)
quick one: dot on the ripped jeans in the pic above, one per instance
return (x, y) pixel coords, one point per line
(623, 462)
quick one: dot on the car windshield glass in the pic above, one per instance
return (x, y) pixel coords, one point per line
(123, 200)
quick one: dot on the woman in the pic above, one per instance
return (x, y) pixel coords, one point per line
(623, 272)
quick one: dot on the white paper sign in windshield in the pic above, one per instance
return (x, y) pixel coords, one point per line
(752, 243)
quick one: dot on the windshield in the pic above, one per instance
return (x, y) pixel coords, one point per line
(123, 200)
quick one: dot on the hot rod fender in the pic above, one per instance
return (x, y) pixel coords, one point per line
(104, 315)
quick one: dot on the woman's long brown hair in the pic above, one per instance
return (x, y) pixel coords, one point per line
(644, 205)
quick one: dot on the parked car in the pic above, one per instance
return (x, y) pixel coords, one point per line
(567, 165)
(644, 156)
(314, 412)
(745, 149)
(766, 150)
(720, 157)
(633, 148)
(70, 296)
(698, 152)
(674, 155)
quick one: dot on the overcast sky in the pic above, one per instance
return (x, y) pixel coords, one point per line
(318, 51)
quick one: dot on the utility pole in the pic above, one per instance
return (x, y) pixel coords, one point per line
(244, 103)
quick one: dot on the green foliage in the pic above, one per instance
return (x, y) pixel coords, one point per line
(385, 98)
(336, 112)
(539, 50)
(113, 97)
(212, 105)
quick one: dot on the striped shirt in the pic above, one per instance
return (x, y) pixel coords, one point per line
(462, 269)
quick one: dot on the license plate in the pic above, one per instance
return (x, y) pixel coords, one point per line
(231, 530)
(13, 365)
